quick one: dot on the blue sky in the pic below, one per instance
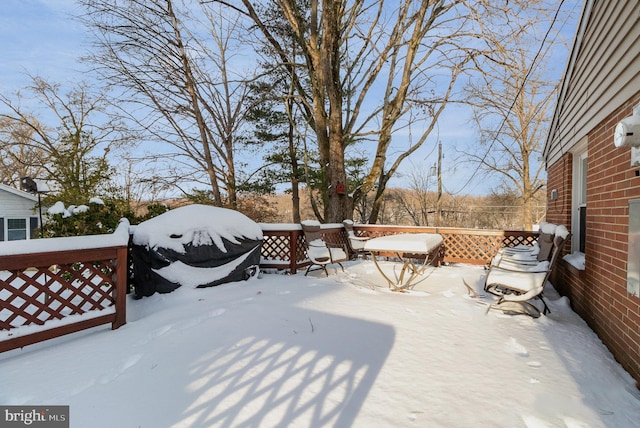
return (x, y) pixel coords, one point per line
(41, 37)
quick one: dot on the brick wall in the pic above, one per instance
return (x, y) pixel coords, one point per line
(599, 294)
(567, 280)
(559, 177)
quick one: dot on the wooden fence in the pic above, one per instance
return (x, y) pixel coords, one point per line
(283, 246)
(53, 287)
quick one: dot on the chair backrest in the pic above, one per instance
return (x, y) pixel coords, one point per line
(546, 241)
(317, 249)
(348, 226)
(312, 232)
(355, 243)
(558, 245)
(559, 240)
(561, 237)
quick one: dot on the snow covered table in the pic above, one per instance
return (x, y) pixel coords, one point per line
(405, 246)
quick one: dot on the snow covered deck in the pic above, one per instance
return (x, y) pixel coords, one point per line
(290, 350)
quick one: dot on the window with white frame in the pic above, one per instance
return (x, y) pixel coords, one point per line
(579, 199)
(16, 229)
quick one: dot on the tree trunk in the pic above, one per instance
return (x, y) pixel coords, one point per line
(295, 190)
(191, 88)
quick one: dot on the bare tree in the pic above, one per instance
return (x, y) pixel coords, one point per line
(369, 69)
(420, 201)
(425, 37)
(512, 108)
(174, 67)
(70, 142)
(225, 94)
(375, 68)
(18, 157)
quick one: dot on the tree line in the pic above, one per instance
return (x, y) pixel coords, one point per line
(220, 101)
(411, 207)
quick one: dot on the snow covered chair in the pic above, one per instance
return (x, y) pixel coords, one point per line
(356, 243)
(523, 282)
(528, 255)
(318, 251)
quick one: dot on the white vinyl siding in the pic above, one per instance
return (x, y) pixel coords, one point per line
(18, 216)
(15, 205)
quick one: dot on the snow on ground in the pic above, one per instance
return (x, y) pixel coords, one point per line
(339, 351)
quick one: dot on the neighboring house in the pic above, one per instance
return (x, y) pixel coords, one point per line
(593, 185)
(18, 218)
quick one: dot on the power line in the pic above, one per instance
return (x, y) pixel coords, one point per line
(542, 104)
(520, 89)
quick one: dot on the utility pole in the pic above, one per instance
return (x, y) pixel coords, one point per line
(439, 200)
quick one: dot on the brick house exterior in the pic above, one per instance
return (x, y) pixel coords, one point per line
(588, 174)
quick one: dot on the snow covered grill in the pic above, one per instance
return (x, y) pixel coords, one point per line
(195, 245)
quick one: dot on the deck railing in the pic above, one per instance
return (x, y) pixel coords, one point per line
(284, 246)
(52, 287)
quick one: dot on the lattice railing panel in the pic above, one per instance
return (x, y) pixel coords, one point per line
(37, 295)
(43, 289)
(300, 248)
(276, 247)
(515, 240)
(459, 245)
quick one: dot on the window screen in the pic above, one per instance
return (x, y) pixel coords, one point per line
(583, 227)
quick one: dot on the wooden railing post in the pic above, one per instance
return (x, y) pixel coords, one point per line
(120, 290)
(293, 251)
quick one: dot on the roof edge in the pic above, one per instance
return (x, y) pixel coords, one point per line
(19, 192)
(568, 73)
